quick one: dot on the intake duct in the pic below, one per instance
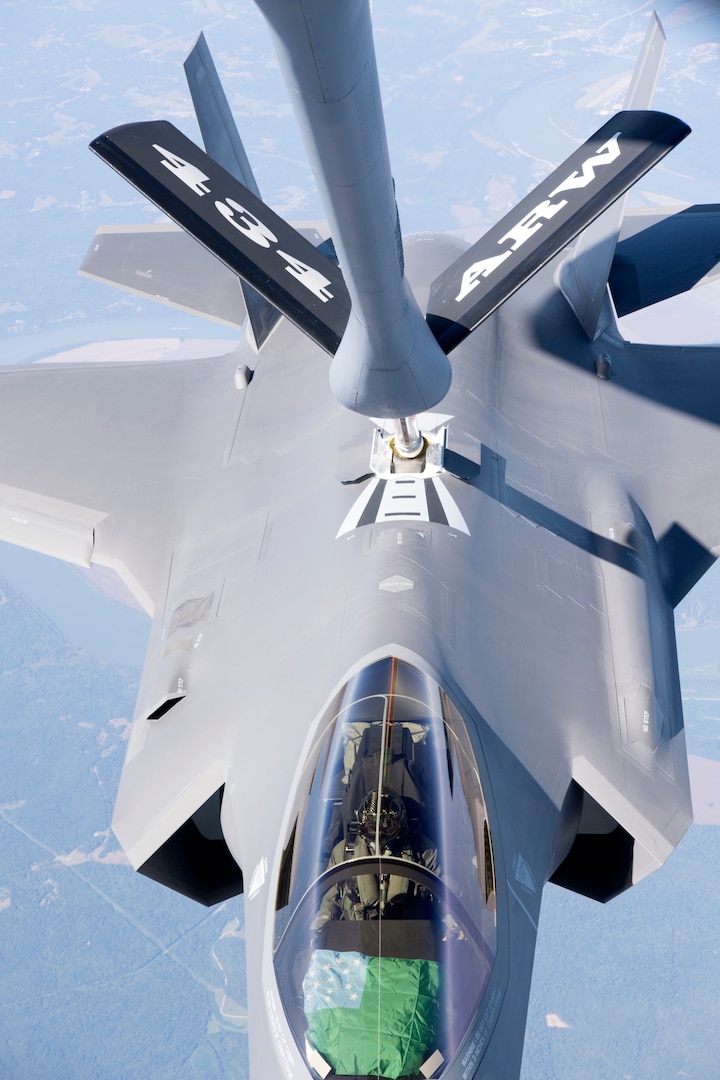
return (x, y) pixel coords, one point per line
(600, 860)
(196, 860)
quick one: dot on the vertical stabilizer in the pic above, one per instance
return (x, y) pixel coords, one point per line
(223, 143)
(388, 363)
(217, 125)
(584, 276)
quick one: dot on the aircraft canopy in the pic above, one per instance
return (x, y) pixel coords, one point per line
(386, 928)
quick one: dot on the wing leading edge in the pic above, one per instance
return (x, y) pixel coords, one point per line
(94, 455)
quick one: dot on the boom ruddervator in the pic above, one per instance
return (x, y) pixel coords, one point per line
(386, 920)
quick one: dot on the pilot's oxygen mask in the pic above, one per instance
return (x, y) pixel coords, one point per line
(380, 818)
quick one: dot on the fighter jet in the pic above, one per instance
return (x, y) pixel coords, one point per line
(411, 552)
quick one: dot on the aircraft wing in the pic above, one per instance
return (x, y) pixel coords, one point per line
(94, 456)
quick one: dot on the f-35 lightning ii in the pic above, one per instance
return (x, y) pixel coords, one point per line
(412, 653)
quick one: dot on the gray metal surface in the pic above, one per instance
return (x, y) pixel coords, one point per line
(165, 264)
(388, 363)
(223, 143)
(531, 573)
(217, 124)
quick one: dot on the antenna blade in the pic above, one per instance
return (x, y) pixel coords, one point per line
(552, 215)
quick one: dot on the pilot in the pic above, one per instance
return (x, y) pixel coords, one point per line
(380, 827)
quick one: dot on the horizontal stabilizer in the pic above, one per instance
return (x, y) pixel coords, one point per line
(662, 255)
(682, 561)
(162, 263)
(552, 215)
(233, 224)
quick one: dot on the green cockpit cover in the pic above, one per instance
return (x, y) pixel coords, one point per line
(372, 1015)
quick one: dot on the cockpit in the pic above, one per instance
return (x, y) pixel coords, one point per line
(386, 922)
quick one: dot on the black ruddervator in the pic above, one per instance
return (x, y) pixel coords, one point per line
(307, 286)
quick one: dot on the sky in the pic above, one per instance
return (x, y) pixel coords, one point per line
(482, 99)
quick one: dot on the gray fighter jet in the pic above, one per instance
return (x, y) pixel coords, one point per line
(412, 652)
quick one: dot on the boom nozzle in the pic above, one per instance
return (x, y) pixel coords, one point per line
(408, 439)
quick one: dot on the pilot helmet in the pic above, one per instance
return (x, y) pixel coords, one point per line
(382, 814)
